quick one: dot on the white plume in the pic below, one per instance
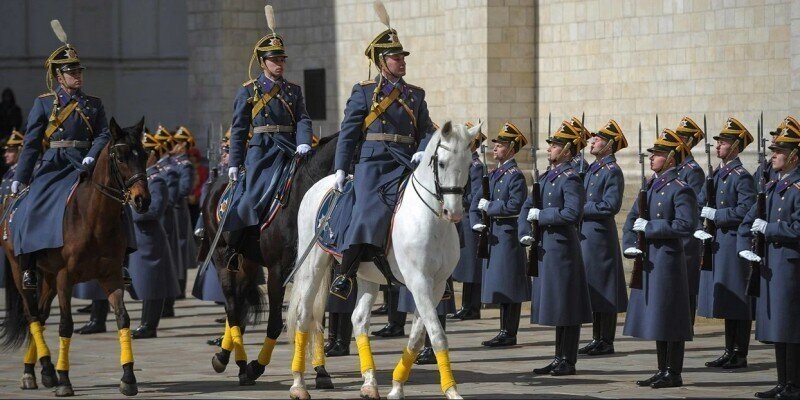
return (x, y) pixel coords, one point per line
(270, 14)
(380, 9)
(59, 31)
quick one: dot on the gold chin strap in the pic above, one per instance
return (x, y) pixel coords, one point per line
(609, 143)
(565, 149)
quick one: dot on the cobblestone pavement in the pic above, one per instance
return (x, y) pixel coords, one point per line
(177, 364)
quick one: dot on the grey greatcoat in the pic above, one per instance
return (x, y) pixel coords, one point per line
(468, 269)
(560, 293)
(660, 310)
(604, 185)
(170, 221)
(778, 307)
(722, 290)
(504, 279)
(692, 174)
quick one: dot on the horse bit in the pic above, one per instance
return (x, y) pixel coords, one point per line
(440, 190)
(123, 194)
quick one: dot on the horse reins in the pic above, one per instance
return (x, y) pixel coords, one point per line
(122, 193)
(440, 191)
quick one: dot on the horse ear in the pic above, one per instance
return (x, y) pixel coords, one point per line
(116, 131)
(447, 128)
(475, 129)
(139, 130)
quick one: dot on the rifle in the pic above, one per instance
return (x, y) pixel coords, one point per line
(644, 212)
(483, 236)
(759, 244)
(707, 262)
(532, 269)
(582, 165)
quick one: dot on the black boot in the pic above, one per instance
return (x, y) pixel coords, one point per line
(668, 380)
(563, 368)
(569, 345)
(97, 321)
(549, 368)
(151, 316)
(380, 261)
(340, 348)
(772, 393)
(721, 360)
(589, 347)
(426, 356)
(168, 311)
(675, 352)
(789, 392)
(661, 356)
(344, 332)
(342, 285)
(511, 319)
(741, 339)
(126, 277)
(333, 330)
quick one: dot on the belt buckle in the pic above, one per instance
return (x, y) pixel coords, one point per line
(396, 138)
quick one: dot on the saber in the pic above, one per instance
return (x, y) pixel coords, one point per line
(231, 186)
(322, 224)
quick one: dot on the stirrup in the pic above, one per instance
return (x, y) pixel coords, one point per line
(448, 292)
(127, 281)
(233, 262)
(29, 280)
(340, 281)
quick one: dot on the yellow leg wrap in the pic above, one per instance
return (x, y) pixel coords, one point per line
(37, 331)
(265, 355)
(299, 359)
(319, 350)
(227, 341)
(125, 349)
(63, 354)
(30, 353)
(403, 368)
(365, 353)
(238, 344)
(445, 373)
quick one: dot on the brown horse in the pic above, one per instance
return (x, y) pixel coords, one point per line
(276, 249)
(95, 242)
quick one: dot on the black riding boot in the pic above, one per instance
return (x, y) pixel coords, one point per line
(97, 321)
(29, 279)
(343, 283)
(740, 343)
(151, 316)
(427, 355)
(233, 255)
(661, 356)
(675, 352)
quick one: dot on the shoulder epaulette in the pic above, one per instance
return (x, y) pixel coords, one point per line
(513, 170)
(690, 164)
(366, 82)
(248, 83)
(43, 95)
(797, 185)
(611, 166)
(477, 162)
(414, 87)
(569, 172)
(292, 84)
(680, 182)
(739, 170)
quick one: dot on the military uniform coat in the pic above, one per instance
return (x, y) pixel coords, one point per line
(151, 265)
(38, 221)
(778, 307)
(560, 292)
(722, 290)
(380, 164)
(604, 184)
(503, 274)
(186, 241)
(267, 154)
(691, 173)
(660, 310)
(468, 269)
(170, 222)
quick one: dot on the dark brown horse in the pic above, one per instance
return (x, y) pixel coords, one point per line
(275, 248)
(95, 243)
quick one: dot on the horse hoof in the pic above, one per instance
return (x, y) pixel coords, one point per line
(323, 382)
(397, 391)
(128, 389)
(452, 393)
(218, 364)
(298, 393)
(244, 380)
(255, 370)
(29, 382)
(49, 376)
(64, 391)
(370, 393)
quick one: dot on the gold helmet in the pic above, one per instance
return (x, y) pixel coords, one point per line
(151, 143)
(613, 134)
(163, 135)
(270, 45)
(669, 142)
(15, 140)
(510, 134)
(63, 59)
(690, 132)
(570, 136)
(735, 131)
(183, 135)
(386, 43)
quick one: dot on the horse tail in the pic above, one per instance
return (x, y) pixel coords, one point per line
(14, 329)
(253, 306)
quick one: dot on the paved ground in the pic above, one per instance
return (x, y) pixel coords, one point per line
(177, 364)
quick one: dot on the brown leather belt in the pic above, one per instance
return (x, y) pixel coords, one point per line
(67, 144)
(273, 129)
(388, 137)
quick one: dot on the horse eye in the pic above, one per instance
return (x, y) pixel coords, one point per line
(441, 164)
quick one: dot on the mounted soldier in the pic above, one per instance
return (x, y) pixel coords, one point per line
(389, 119)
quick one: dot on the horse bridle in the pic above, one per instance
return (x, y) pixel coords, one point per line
(439, 190)
(121, 192)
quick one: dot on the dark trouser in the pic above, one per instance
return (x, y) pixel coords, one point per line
(395, 317)
(604, 326)
(443, 321)
(670, 355)
(509, 318)
(693, 307)
(151, 313)
(340, 327)
(169, 304)
(100, 310)
(567, 338)
(737, 336)
(787, 362)
(471, 296)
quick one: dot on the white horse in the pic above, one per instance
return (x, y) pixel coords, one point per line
(425, 237)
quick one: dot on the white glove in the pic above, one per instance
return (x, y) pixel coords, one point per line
(338, 183)
(417, 157)
(88, 161)
(702, 235)
(632, 251)
(479, 227)
(533, 214)
(708, 213)
(526, 240)
(639, 224)
(303, 149)
(749, 256)
(483, 205)
(759, 226)
(233, 173)
(16, 186)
